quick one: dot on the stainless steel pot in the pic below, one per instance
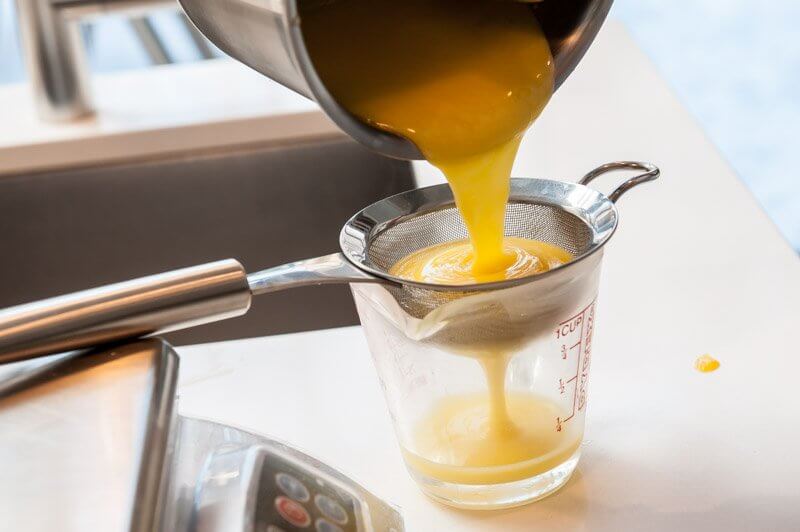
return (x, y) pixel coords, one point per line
(267, 35)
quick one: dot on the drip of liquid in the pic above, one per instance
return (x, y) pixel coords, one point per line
(463, 80)
(706, 364)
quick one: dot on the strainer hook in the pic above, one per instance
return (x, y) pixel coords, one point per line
(651, 173)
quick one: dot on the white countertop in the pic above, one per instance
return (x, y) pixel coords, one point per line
(695, 268)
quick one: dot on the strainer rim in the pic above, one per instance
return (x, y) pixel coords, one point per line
(354, 241)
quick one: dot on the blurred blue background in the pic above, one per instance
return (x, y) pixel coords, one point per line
(735, 64)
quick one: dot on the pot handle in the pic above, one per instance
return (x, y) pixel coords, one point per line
(651, 173)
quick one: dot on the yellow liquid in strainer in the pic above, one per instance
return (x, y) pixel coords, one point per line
(451, 262)
(463, 80)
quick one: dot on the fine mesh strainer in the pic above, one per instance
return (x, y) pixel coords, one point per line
(570, 215)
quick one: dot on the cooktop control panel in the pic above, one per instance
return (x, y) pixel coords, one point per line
(274, 488)
(293, 497)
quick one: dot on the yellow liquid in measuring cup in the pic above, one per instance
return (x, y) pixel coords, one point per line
(451, 262)
(463, 80)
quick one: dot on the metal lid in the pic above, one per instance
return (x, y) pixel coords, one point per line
(85, 438)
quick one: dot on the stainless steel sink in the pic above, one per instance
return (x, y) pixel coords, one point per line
(78, 228)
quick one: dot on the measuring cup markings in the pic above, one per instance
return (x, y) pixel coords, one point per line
(587, 358)
(581, 323)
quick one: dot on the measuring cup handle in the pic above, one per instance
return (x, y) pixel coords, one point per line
(651, 173)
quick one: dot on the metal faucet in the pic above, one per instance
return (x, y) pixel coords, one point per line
(54, 51)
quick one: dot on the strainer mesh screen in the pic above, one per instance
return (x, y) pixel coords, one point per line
(527, 220)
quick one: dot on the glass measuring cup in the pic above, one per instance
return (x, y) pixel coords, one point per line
(487, 388)
(493, 418)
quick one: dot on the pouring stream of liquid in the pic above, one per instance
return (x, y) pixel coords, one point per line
(463, 80)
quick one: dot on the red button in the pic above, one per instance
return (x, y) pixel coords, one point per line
(292, 512)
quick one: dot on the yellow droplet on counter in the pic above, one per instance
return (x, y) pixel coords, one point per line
(463, 440)
(706, 363)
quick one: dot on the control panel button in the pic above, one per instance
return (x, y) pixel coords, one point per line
(292, 511)
(331, 509)
(292, 487)
(323, 525)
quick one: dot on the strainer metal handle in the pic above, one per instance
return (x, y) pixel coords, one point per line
(651, 173)
(330, 269)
